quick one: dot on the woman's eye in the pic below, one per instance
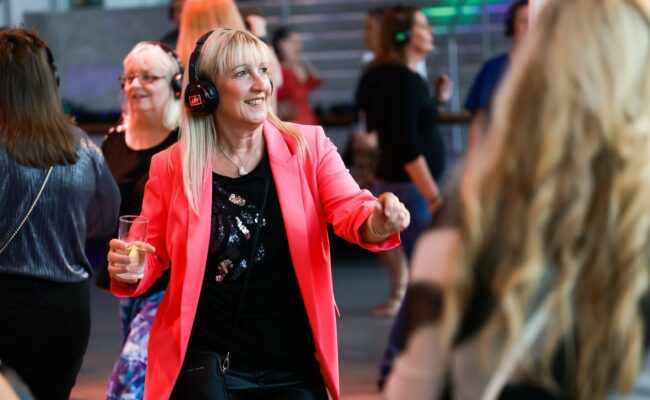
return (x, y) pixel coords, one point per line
(264, 70)
(241, 73)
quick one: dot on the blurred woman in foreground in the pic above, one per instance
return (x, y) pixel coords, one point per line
(541, 291)
(56, 191)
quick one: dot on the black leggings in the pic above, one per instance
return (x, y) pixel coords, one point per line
(45, 331)
(201, 379)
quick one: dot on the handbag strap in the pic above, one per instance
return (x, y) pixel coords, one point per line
(226, 362)
(515, 354)
(29, 211)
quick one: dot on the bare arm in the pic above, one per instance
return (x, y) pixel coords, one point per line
(477, 129)
(418, 171)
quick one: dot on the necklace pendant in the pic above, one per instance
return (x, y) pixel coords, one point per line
(242, 171)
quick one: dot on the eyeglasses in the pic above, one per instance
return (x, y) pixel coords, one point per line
(144, 78)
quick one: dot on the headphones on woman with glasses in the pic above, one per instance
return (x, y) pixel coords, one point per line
(177, 78)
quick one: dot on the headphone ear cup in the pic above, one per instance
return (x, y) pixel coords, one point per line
(398, 16)
(50, 60)
(402, 37)
(177, 85)
(201, 98)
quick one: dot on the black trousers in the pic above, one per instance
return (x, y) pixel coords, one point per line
(201, 379)
(44, 332)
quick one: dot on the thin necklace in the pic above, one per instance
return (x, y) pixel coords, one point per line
(241, 168)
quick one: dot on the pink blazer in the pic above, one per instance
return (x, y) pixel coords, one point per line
(313, 192)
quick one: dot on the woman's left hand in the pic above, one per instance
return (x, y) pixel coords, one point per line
(389, 217)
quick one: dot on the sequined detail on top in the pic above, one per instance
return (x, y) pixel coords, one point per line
(235, 222)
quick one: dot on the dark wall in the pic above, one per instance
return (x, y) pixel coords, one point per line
(89, 46)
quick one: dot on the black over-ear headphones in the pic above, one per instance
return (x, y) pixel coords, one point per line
(403, 28)
(50, 60)
(177, 78)
(201, 96)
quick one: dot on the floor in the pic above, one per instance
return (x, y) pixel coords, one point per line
(359, 285)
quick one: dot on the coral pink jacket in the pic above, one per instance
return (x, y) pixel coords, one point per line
(313, 191)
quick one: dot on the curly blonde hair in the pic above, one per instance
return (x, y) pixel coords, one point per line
(563, 186)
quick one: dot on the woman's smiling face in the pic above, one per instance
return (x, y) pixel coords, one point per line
(147, 89)
(243, 94)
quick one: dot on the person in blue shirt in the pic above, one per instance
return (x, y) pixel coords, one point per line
(484, 86)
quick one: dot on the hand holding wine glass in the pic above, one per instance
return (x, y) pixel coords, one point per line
(127, 253)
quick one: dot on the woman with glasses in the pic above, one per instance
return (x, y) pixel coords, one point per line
(151, 86)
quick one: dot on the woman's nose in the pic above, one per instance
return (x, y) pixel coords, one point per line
(135, 82)
(259, 83)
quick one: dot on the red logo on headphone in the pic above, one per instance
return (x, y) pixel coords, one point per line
(196, 100)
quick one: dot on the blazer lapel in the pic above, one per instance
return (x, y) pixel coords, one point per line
(197, 244)
(290, 183)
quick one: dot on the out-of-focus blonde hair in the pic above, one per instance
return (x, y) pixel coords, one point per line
(201, 16)
(222, 51)
(151, 55)
(565, 188)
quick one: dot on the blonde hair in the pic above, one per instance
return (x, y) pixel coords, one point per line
(201, 16)
(222, 51)
(565, 190)
(151, 55)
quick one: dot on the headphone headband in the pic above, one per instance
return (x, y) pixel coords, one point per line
(195, 75)
(177, 77)
(170, 52)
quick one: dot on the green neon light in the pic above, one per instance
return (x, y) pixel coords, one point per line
(458, 11)
(470, 10)
(446, 12)
(439, 12)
